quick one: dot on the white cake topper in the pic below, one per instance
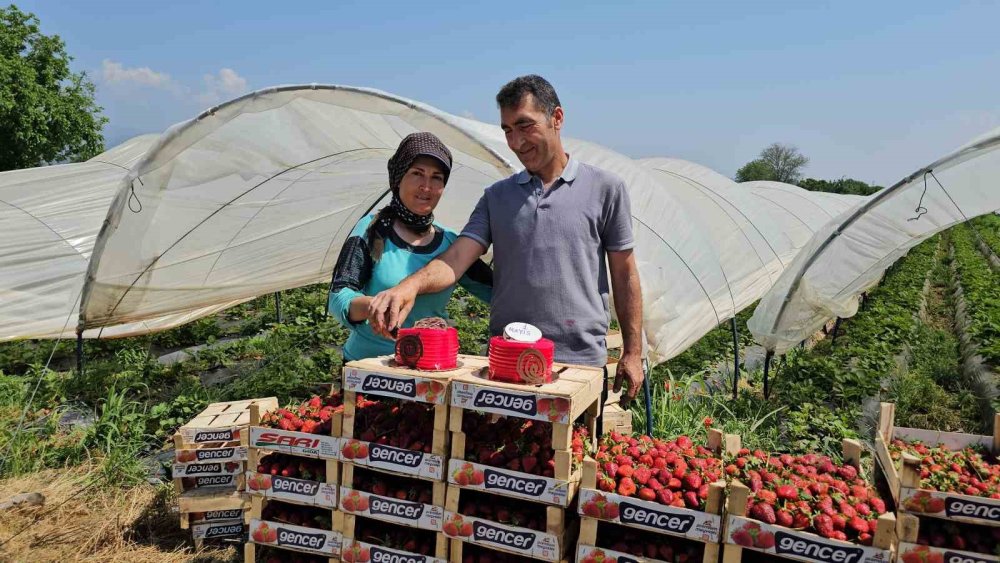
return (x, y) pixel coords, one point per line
(522, 332)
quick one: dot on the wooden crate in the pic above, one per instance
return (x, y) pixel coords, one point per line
(380, 376)
(576, 392)
(329, 542)
(617, 419)
(800, 545)
(705, 527)
(349, 524)
(222, 422)
(908, 530)
(206, 511)
(438, 497)
(259, 444)
(904, 483)
(542, 546)
(216, 434)
(458, 549)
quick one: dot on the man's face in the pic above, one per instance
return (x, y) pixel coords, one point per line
(532, 135)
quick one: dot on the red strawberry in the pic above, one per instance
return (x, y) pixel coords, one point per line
(787, 492)
(763, 512)
(824, 525)
(642, 475)
(626, 487)
(858, 524)
(692, 481)
(646, 493)
(784, 518)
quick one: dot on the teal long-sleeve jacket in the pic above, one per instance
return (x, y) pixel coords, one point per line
(356, 274)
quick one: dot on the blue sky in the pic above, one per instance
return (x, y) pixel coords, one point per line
(871, 90)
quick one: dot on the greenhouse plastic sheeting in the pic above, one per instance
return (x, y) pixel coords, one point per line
(51, 217)
(849, 255)
(257, 195)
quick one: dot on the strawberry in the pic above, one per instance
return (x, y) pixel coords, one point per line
(787, 492)
(646, 493)
(642, 474)
(763, 512)
(626, 487)
(858, 524)
(692, 481)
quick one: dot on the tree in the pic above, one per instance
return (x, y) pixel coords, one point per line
(785, 162)
(47, 112)
(841, 186)
(755, 170)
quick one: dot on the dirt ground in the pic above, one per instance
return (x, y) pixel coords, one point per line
(77, 523)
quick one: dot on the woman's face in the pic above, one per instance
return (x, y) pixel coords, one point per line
(422, 185)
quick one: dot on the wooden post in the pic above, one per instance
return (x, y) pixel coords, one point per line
(737, 506)
(886, 418)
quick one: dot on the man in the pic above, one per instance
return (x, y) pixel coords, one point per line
(551, 226)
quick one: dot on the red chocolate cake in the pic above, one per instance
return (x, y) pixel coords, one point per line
(430, 345)
(521, 362)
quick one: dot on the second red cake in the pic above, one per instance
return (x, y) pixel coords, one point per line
(521, 362)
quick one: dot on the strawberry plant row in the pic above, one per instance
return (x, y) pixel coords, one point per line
(988, 227)
(366, 539)
(978, 283)
(805, 508)
(668, 488)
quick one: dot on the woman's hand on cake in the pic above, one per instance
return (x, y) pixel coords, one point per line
(629, 369)
(389, 309)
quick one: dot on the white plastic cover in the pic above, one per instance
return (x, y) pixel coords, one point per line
(257, 196)
(849, 255)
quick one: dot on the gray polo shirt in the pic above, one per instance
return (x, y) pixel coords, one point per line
(549, 254)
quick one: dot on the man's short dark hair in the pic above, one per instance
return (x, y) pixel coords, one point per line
(513, 92)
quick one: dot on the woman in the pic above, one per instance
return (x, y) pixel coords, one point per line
(402, 237)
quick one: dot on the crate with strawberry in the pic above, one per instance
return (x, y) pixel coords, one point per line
(805, 508)
(940, 474)
(407, 501)
(933, 539)
(293, 527)
(381, 378)
(574, 396)
(514, 457)
(622, 543)
(366, 539)
(295, 479)
(517, 526)
(394, 436)
(667, 487)
(293, 476)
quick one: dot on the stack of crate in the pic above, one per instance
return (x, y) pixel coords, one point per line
(396, 489)
(935, 525)
(292, 482)
(474, 483)
(208, 470)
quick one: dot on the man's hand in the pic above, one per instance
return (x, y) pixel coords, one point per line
(629, 369)
(389, 309)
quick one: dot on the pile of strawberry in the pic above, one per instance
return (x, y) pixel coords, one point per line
(393, 536)
(651, 545)
(272, 555)
(393, 486)
(671, 472)
(504, 510)
(396, 423)
(293, 466)
(808, 492)
(309, 516)
(516, 443)
(964, 536)
(312, 416)
(970, 471)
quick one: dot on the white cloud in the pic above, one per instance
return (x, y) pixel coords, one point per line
(227, 84)
(115, 72)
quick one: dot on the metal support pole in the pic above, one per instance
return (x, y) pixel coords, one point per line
(647, 390)
(767, 366)
(277, 306)
(836, 330)
(736, 358)
(79, 352)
